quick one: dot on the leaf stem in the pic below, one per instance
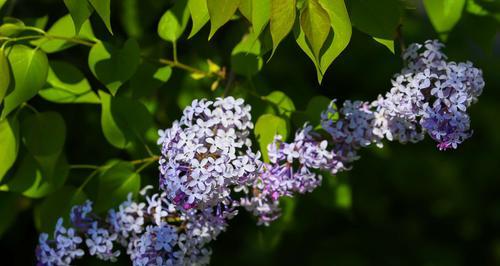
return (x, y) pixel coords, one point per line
(146, 160)
(83, 166)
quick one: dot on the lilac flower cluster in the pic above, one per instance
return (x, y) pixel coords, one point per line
(207, 152)
(154, 232)
(208, 169)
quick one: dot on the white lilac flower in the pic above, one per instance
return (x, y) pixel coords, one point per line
(207, 153)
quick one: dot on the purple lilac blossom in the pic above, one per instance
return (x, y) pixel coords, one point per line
(207, 153)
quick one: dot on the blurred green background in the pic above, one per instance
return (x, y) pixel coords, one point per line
(400, 205)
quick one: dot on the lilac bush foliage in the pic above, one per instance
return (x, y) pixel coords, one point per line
(208, 170)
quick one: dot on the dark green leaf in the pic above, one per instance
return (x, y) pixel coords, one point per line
(221, 11)
(9, 143)
(29, 68)
(246, 56)
(315, 23)
(8, 208)
(67, 85)
(44, 133)
(148, 78)
(80, 11)
(199, 15)
(115, 183)
(31, 181)
(174, 21)
(57, 205)
(113, 66)
(4, 75)
(123, 120)
(103, 9)
(281, 20)
(379, 19)
(444, 14)
(266, 128)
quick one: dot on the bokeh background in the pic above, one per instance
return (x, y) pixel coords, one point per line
(399, 205)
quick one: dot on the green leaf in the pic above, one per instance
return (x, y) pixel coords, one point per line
(67, 84)
(8, 208)
(266, 128)
(115, 183)
(4, 75)
(64, 27)
(57, 205)
(444, 14)
(199, 15)
(221, 11)
(44, 133)
(281, 20)
(113, 66)
(148, 78)
(80, 11)
(174, 21)
(335, 44)
(246, 56)
(281, 105)
(245, 8)
(103, 9)
(315, 23)
(387, 43)
(2, 2)
(261, 13)
(123, 120)
(9, 143)
(31, 181)
(379, 19)
(29, 69)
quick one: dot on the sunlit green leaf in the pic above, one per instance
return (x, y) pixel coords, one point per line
(335, 44)
(444, 14)
(55, 206)
(387, 43)
(103, 9)
(2, 2)
(315, 23)
(80, 11)
(281, 20)
(261, 13)
(123, 120)
(63, 28)
(174, 21)
(113, 66)
(29, 69)
(199, 15)
(66, 84)
(9, 143)
(266, 128)
(115, 183)
(281, 104)
(221, 11)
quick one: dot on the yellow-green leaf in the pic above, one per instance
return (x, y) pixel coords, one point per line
(199, 15)
(444, 14)
(173, 22)
(315, 23)
(266, 128)
(9, 143)
(4, 75)
(221, 11)
(281, 20)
